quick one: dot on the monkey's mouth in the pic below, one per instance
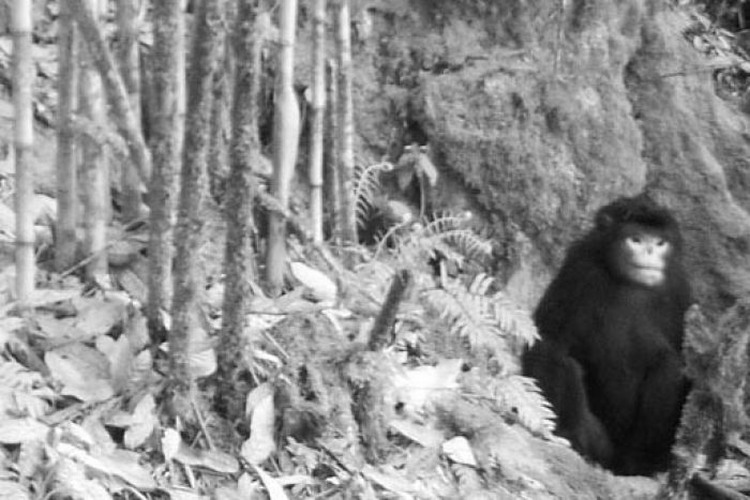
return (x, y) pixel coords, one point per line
(648, 275)
(647, 268)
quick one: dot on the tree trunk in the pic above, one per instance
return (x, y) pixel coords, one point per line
(127, 55)
(124, 115)
(67, 187)
(94, 165)
(318, 120)
(332, 165)
(23, 132)
(244, 154)
(188, 277)
(218, 168)
(148, 102)
(346, 124)
(285, 141)
(181, 78)
(168, 50)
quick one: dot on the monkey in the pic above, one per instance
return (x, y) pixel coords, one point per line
(611, 324)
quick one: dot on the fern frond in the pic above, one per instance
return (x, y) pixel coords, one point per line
(485, 319)
(448, 234)
(514, 320)
(470, 244)
(511, 319)
(413, 247)
(444, 223)
(464, 240)
(466, 316)
(481, 284)
(362, 212)
(522, 396)
(366, 185)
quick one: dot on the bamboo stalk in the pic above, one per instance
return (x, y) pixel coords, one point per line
(346, 124)
(285, 143)
(23, 136)
(318, 120)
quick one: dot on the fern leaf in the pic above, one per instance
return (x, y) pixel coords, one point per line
(450, 229)
(362, 210)
(514, 320)
(455, 244)
(444, 223)
(481, 284)
(522, 396)
(466, 316)
(468, 243)
(366, 185)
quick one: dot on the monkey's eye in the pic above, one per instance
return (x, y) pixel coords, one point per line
(635, 239)
(661, 242)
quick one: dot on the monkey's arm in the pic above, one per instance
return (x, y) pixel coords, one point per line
(561, 380)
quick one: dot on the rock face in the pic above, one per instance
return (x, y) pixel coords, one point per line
(536, 116)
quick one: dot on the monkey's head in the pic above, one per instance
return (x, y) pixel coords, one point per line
(641, 241)
(642, 254)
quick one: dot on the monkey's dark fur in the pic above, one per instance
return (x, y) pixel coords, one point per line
(610, 358)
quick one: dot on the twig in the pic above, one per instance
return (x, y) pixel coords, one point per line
(334, 457)
(272, 340)
(86, 260)
(714, 490)
(202, 423)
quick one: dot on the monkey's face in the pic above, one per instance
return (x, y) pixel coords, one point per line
(643, 255)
